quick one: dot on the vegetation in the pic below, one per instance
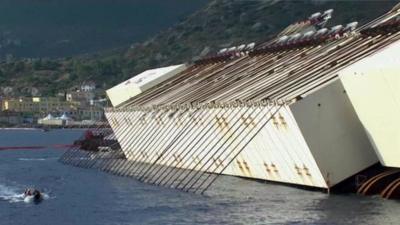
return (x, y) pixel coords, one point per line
(60, 28)
(220, 24)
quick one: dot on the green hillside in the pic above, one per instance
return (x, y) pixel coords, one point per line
(220, 24)
(59, 28)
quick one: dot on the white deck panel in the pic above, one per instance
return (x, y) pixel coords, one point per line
(141, 82)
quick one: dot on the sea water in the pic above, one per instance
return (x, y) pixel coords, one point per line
(79, 196)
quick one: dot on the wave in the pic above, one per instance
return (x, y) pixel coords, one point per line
(12, 195)
(36, 159)
(19, 128)
(31, 159)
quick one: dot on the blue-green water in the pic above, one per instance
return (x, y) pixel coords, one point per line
(81, 196)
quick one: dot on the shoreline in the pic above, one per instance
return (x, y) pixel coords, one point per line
(20, 128)
(40, 129)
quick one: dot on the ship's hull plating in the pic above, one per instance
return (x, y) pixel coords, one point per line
(218, 140)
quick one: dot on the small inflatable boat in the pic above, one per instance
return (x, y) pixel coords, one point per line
(33, 195)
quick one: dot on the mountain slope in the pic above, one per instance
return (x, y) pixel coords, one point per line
(220, 24)
(59, 28)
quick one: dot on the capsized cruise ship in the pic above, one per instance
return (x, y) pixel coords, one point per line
(314, 107)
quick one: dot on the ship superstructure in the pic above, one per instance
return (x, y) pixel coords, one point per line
(312, 107)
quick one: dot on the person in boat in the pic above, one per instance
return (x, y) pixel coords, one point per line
(37, 196)
(26, 192)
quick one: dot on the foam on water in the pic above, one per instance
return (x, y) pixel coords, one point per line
(11, 195)
(32, 159)
(37, 159)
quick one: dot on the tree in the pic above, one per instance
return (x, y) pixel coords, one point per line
(3, 79)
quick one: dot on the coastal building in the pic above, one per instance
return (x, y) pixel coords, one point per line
(39, 105)
(93, 113)
(88, 86)
(76, 119)
(10, 118)
(81, 97)
(50, 120)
